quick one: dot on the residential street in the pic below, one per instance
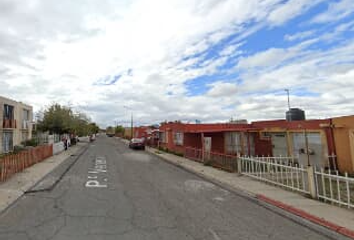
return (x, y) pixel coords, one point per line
(112, 192)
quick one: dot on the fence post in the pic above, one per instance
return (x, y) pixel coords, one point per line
(238, 160)
(311, 181)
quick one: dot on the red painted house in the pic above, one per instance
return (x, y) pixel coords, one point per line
(177, 136)
(309, 141)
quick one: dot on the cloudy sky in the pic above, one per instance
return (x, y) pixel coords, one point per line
(179, 59)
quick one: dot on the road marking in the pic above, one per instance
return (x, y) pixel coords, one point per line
(215, 236)
(95, 174)
(220, 199)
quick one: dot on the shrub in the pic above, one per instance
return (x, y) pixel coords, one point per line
(18, 148)
(30, 142)
(178, 154)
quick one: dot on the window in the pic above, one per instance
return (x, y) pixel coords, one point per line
(8, 112)
(178, 138)
(25, 118)
(233, 142)
(162, 137)
(25, 114)
(7, 142)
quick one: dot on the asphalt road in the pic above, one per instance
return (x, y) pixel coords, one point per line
(112, 192)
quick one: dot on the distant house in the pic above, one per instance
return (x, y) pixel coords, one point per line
(149, 133)
(15, 124)
(127, 132)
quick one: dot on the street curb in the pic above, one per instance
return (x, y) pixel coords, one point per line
(320, 221)
(287, 211)
(80, 152)
(24, 192)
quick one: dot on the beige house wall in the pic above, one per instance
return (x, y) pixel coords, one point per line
(23, 129)
(127, 132)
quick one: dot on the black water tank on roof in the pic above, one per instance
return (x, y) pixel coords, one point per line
(295, 114)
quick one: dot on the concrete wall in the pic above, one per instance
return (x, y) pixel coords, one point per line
(84, 139)
(343, 131)
(58, 148)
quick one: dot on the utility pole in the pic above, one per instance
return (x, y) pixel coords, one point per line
(131, 121)
(131, 126)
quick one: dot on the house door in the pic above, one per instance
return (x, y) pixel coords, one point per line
(207, 147)
(279, 144)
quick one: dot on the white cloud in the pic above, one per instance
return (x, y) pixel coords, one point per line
(336, 11)
(327, 76)
(290, 9)
(299, 36)
(59, 50)
(222, 89)
(269, 58)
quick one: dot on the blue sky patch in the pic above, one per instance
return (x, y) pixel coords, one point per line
(298, 31)
(108, 80)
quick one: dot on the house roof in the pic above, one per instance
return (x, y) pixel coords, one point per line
(222, 130)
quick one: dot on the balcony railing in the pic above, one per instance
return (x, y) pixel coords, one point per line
(9, 123)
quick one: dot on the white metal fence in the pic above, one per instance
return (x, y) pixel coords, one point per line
(334, 188)
(284, 160)
(273, 170)
(328, 186)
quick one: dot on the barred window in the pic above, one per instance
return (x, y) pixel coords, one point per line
(162, 137)
(233, 142)
(178, 138)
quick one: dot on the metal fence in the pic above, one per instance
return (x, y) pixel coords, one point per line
(194, 154)
(223, 161)
(332, 162)
(219, 160)
(334, 188)
(269, 170)
(14, 163)
(326, 185)
(284, 160)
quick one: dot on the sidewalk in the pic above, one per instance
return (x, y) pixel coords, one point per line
(17, 185)
(338, 219)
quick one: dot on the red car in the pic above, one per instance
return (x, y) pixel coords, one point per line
(137, 143)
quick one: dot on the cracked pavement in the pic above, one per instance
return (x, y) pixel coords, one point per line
(145, 198)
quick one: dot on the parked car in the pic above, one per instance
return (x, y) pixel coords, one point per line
(137, 143)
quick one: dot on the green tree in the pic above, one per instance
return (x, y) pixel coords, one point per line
(56, 119)
(61, 119)
(120, 130)
(93, 128)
